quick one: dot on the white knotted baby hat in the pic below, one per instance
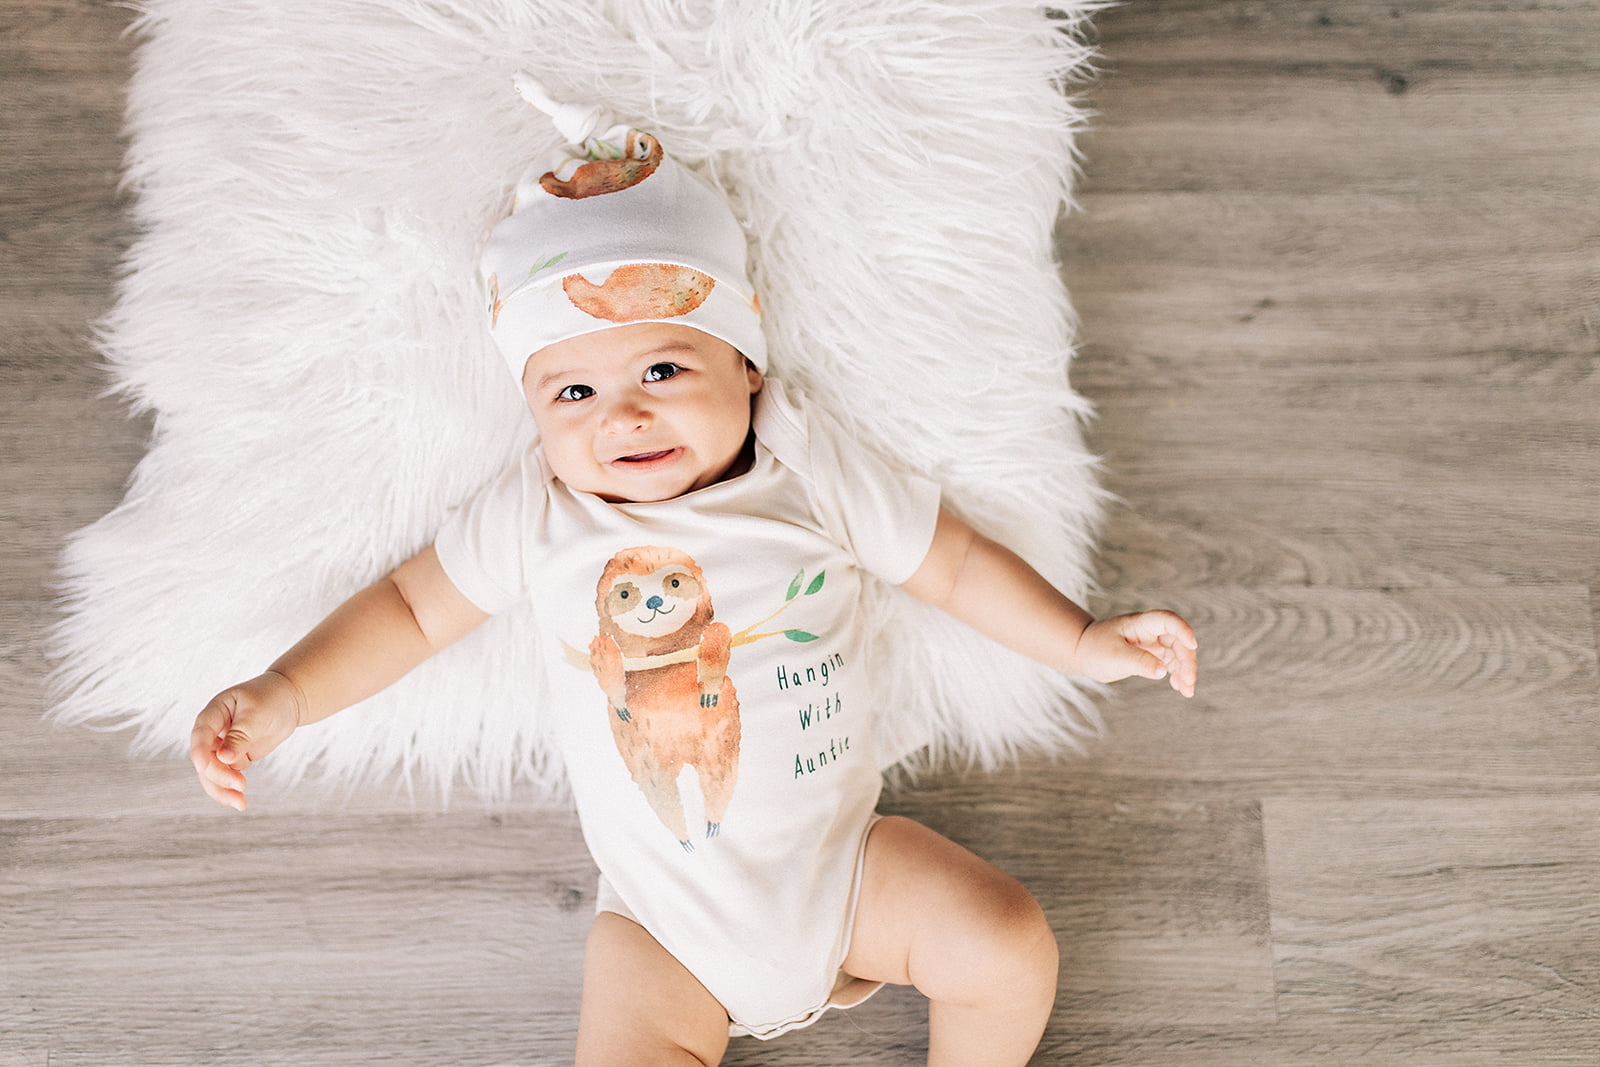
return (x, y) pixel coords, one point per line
(613, 232)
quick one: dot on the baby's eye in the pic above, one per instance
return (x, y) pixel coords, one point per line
(575, 392)
(660, 372)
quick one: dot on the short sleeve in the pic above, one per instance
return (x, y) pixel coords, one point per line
(881, 513)
(482, 544)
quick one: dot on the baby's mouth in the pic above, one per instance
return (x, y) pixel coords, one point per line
(645, 457)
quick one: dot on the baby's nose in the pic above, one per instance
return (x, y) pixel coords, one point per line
(654, 603)
(627, 413)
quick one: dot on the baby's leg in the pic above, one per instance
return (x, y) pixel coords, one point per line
(640, 1005)
(966, 934)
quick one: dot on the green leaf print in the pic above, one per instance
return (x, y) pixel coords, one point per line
(748, 634)
(543, 263)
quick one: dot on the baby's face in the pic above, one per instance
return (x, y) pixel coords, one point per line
(642, 412)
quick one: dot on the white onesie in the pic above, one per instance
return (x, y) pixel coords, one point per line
(705, 657)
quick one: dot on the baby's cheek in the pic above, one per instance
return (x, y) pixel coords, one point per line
(563, 455)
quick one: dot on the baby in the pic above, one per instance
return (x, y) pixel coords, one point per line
(695, 539)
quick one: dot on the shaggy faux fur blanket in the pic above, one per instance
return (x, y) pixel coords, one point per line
(313, 180)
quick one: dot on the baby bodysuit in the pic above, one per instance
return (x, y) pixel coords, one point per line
(706, 668)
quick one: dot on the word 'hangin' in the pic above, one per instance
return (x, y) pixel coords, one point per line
(788, 678)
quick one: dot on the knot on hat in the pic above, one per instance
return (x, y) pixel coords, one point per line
(615, 232)
(574, 122)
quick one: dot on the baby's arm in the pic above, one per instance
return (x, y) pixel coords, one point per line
(366, 644)
(995, 591)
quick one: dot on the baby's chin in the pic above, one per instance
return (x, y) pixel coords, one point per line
(655, 488)
(639, 494)
(627, 487)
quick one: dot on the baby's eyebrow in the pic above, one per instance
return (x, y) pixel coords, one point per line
(669, 346)
(545, 380)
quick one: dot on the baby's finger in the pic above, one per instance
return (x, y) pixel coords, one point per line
(1176, 643)
(222, 775)
(224, 785)
(1162, 625)
(1150, 665)
(1184, 672)
(231, 750)
(208, 727)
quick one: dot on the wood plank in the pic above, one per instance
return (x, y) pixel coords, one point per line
(62, 72)
(69, 448)
(276, 940)
(1174, 37)
(1340, 131)
(68, 36)
(1446, 929)
(1334, 275)
(1432, 327)
(1334, 693)
(1383, 483)
(1397, 273)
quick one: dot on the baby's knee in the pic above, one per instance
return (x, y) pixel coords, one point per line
(1009, 954)
(1024, 945)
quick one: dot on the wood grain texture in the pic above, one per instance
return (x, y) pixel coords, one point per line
(63, 66)
(1450, 926)
(67, 450)
(1408, 272)
(1338, 272)
(1327, 692)
(283, 941)
(1534, 36)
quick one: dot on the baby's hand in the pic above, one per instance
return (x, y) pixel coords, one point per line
(240, 726)
(1150, 644)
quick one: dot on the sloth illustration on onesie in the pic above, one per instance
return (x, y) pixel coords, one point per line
(662, 663)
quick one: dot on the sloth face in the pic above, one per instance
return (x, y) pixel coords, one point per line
(655, 604)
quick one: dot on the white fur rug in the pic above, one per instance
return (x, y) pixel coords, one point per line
(313, 180)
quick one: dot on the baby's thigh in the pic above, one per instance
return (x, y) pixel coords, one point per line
(934, 915)
(640, 1005)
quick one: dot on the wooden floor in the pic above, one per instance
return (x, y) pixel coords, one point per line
(1339, 279)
